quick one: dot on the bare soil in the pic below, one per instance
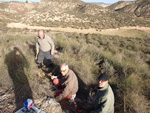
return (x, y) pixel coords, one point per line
(123, 31)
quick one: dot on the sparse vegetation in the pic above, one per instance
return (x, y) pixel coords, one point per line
(139, 8)
(126, 60)
(71, 14)
(120, 57)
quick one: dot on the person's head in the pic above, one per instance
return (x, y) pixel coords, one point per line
(64, 69)
(41, 34)
(103, 79)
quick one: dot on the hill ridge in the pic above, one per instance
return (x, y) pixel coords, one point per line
(75, 14)
(140, 8)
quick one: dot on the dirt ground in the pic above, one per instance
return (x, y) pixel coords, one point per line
(42, 90)
(123, 31)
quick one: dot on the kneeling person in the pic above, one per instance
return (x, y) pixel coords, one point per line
(68, 83)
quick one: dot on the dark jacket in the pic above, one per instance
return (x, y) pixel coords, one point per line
(70, 83)
(104, 101)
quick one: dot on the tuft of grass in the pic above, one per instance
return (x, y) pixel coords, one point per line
(127, 33)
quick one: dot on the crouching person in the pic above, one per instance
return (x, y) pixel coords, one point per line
(68, 83)
(103, 102)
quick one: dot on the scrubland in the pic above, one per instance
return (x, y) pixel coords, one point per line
(125, 59)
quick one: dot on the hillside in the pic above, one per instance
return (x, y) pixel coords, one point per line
(140, 8)
(120, 5)
(101, 4)
(63, 13)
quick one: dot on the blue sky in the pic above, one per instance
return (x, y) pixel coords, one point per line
(97, 1)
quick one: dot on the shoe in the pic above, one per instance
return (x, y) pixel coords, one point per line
(40, 65)
(51, 65)
(72, 98)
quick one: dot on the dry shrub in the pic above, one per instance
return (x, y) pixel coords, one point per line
(133, 82)
(137, 102)
(48, 105)
(106, 67)
(118, 57)
(134, 101)
(142, 66)
(60, 41)
(41, 88)
(125, 63)
(84, 69)
(82, 58)
(81, 66)
(90, 50)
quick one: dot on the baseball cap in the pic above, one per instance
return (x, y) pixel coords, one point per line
(103, 77)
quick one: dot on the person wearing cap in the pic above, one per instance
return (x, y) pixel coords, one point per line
(44, 48)
(104, 99)
(68, 83)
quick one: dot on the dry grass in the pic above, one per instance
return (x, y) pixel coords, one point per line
(116, 56)
(125, 59)
(13, 50)
(126, 33)
(135, 32)
(88, 55)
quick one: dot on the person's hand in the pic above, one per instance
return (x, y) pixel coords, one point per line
(52, 53)
(36, 56)
(53, 77)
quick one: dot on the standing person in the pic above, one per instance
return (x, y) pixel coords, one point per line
(104, 98)
(68, 83)
(44, 48)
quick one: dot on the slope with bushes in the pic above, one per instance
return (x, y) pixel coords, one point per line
(125, 59)
(140, 8)
(75, 14)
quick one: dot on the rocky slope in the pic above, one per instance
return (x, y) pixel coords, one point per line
(103, 4)
(66, 13)
(140, 8)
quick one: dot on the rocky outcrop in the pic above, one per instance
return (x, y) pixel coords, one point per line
(119, 5)
(140, 8)
(143, 9)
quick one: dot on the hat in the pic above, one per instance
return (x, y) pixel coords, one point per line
(103, 77)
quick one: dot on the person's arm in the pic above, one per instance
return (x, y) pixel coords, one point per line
(37, 49)
(101, 106)
(67, 89)
(51, 44)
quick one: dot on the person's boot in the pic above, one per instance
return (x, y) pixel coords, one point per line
(50, 65)
(73, 106)
(40, 65)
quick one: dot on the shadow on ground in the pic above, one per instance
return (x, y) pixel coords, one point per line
(16, 63)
